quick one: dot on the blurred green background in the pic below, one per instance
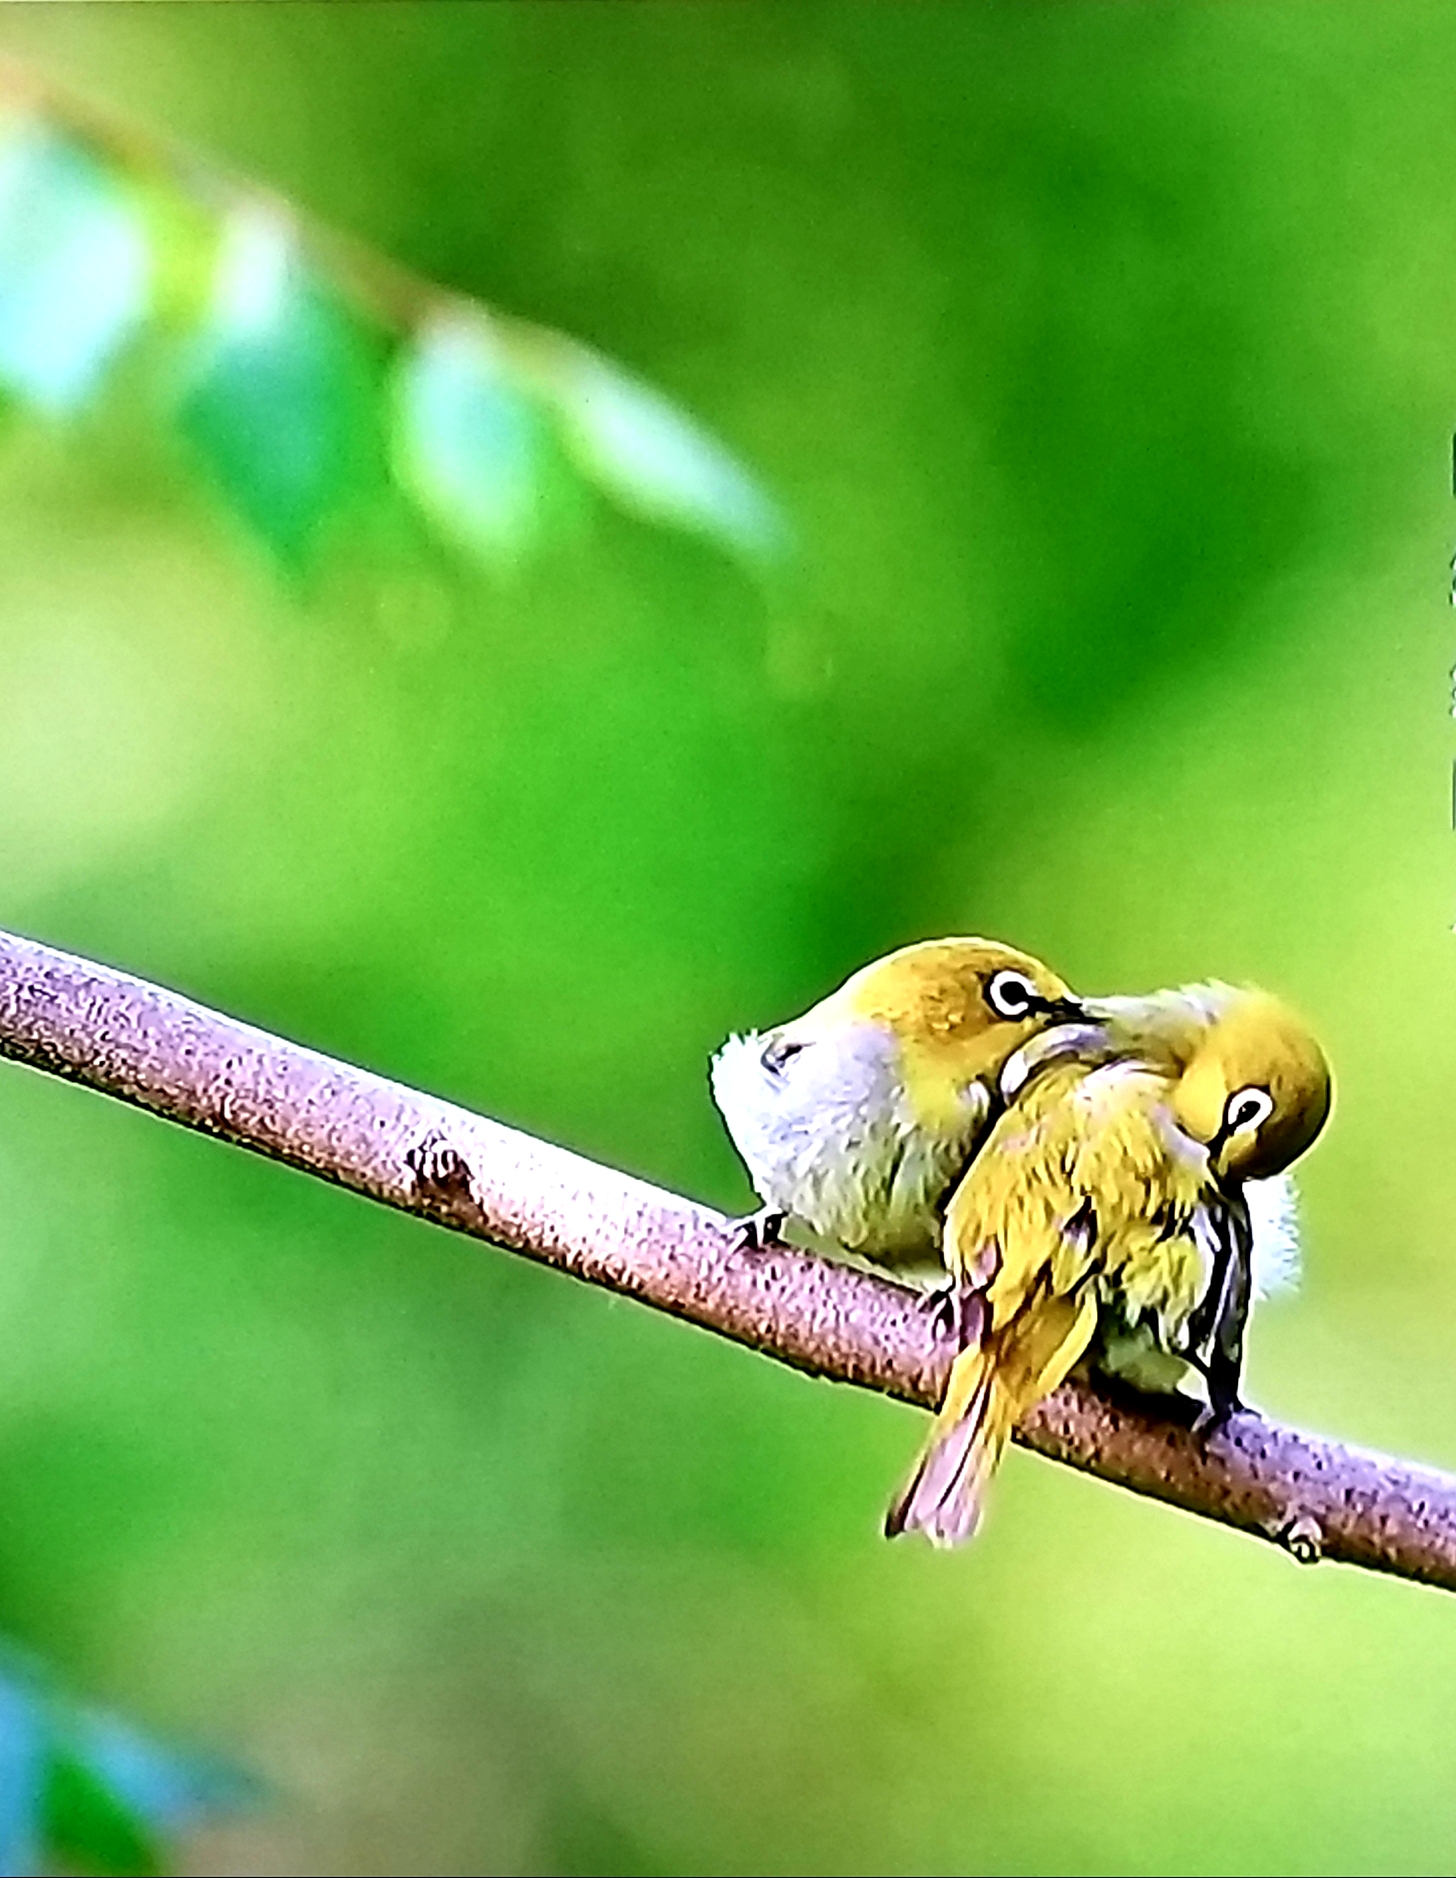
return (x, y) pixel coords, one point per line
(1103, 359)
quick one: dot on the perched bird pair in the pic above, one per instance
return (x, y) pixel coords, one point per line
(1075, 1167)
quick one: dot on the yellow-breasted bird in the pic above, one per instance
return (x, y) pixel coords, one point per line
(1110, 1197)
(857, 1118)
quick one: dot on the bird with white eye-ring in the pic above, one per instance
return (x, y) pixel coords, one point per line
(1108, 1214)
(856, 1119)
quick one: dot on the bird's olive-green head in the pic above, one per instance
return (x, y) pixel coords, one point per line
(859, 1116)
(957, 1009)
(1256, 1091)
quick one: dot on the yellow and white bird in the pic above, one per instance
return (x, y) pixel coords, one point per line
(1108, 1202)
(857, 1118)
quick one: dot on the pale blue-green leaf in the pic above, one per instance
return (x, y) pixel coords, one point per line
(655, 460)
(163, 1786)
(22, 1776)
(79, 1785)
(468, 444)
(75, 265)
(281, 394)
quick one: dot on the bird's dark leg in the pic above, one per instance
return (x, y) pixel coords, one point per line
(1221, 1319)
(1224, 1368)
(1203, 1322)
(756, 1232)
(1223, 1399)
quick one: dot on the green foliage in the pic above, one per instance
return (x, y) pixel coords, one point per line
(474, 444)
(301, 392)
(74, 269)
(90, 1826)
(641, 449)
(282, 389)
(79, 1787)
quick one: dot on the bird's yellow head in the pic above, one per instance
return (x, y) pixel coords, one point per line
(857, 1118)
(958, 1010)
(1256, 1091)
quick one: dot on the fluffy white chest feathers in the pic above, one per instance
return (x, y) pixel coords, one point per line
(1274, 1216)
(830, 1136)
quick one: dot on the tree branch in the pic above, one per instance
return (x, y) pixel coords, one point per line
(162, 1052)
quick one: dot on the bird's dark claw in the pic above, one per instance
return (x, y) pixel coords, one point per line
(756, 1232)
(956, 1311)
(939, 1303)
(1215, 1416)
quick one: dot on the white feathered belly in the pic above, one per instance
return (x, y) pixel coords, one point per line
(831, 1139)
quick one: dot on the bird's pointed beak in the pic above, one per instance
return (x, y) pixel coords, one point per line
(1214, 1150)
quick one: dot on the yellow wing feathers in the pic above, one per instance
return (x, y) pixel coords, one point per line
(1084, 1151)
(1028, 1231)
(1104, 1190)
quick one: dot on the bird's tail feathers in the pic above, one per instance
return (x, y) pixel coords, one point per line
(943, 1496)
(990, 1389)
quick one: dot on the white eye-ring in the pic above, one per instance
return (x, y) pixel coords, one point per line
(1012, 994)
(1246, 1109)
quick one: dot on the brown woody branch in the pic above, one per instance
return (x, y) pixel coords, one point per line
(151, 1047)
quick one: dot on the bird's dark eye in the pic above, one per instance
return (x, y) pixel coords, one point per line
(777, 1051)
(1246, 1109)
(1012, 994)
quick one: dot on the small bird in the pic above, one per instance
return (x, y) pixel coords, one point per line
(857, 1118)
(1108, 1202)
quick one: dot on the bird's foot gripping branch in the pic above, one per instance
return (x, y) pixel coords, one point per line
(145, 1045)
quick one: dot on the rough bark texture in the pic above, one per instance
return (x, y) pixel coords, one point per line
(151, 1047)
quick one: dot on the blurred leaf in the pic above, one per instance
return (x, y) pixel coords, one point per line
(91, 1825)
(161, 1785)
(22, 1764)
(471, 447)
(74, 269)
(82, 1786)
(656, 461)
(283, 397)
(285, 393)
(582, 1838)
